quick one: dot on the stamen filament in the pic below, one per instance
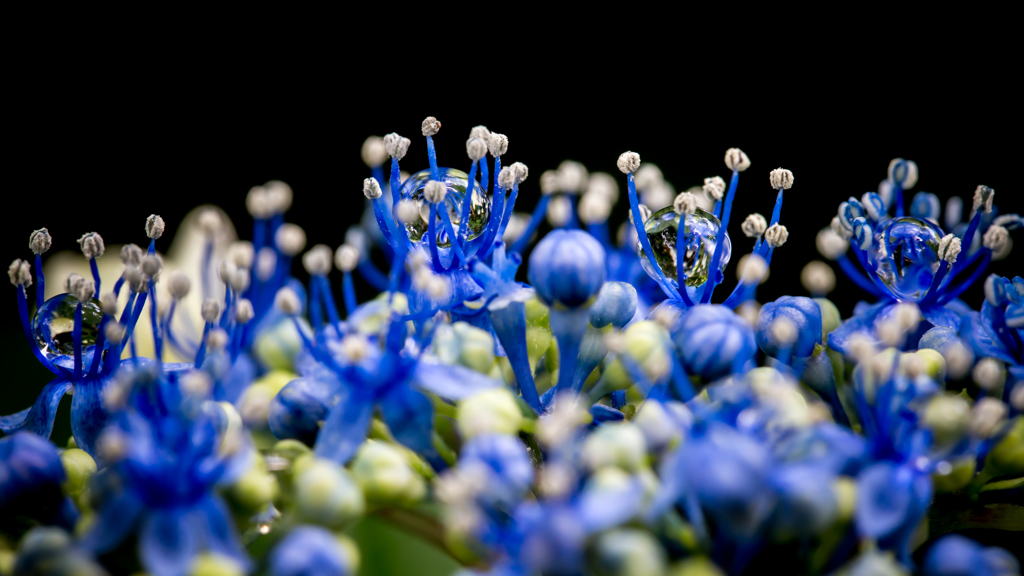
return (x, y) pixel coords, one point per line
(645, 243)
(531, 228)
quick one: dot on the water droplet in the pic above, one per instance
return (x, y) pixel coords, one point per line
(54, 324)
(456, 180)
(905, 256)
(700, 235)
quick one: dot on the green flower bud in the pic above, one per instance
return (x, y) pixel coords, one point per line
(830, 318)
(956, 477)
(290, 449)
(385, 475)
(1007, 457)
(629, 552)
(79, 467)
(648, 343)
(326, 494)
(538, 341)
(490, 410)
(277, 346)
(254, 490)
(476, 349)
(255, 400)
(620, 445)
(933, 362)
(948, 416)
(658, 427)
(71, 442)
(375, 317)
(845, 489)
(537, 314)
(213, 564)
(696, 566)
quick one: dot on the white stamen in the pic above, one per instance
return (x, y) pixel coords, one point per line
(430, 126)
(40, 241)
(983, 197)
(373, 151)
(604, 185)
(225, 271)
(830, 245)
(781, 179)
(155, 226)
(714, 187)
(476, 148)
(72, 282)
(287, 301)
(594, 208)
(178, 285)
(628, 162)
(736, 160)
(290, 239)
(131, 255)
(108, 303)
(754, 225)
(371, 189)
(480, 132)
(210, 310)
(506, 178)
(497, 144)
(989, 374)
(648, 176)
(435, 191)
(91, 245)
(818, 278)
(152, 265)
(752, 268)
(266, 263)
(241, 254)
(84, 290)
(784, 330)
(572, 176)
(217, 340)
(239, 280)
(244, 311)
(257, 202)
(279, 196)
(559, 211)
(685, 203)
(949, 248)
(958, 360)
(114, 332)
(995, 238)
(987, 417)
(396, 146)
(519, 172)
(346, 258)
(317, 261)
(776, 235)
(20, 273)
(408, 211)
(549, 182)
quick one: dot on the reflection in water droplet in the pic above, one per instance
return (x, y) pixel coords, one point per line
(479, 210)
(905, 256)
(700, 235)
(54, 324)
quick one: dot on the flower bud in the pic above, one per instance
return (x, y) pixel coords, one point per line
(629, 552)
(568, 267)
(297, 410)
(494, 410)
(649, 345)
(214, 564)
(947, 416)
(805, 316)
(78, 468)
(953, 477)
(385, 475)
(616, 305)
(255, 489)
(1007, 457)
(327, 494)
(619, 445)
(713, 341)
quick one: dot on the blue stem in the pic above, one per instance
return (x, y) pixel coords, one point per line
(382, 221)
(718, 210)
(497, 212)
(95, 274)
(374, 277)
(600, 231)
(467, 201)
(507, 215)
(510, 327)
(897, 192)
(681, 381)
(140, 301)
(952, 293)
(531, 228)
(77, 336)
(157, 341)
(460, 256)
(329, 305)
(972, 228)
(201, 353)
(573, 223)
(716, 259)
(316, 316)
(41, 282)
(432, 157)
(645, 243)
(348, 289)
(484, 176)
(859, 279)
(97, 353)
(933, 290)
(568, 327)
(435, 257)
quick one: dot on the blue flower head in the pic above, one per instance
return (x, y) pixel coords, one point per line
(567, 268)
(805, 316)
(713, 342)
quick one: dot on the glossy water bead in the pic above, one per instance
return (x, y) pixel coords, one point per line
(906, 258)
(54, 323)
(700, 236)
(455, 180)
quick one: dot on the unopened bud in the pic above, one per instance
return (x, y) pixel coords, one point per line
(493, 410)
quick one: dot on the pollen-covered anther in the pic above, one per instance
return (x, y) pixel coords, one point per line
(239, 280)
(685, 203)
(573, 176)
(241, 254)
(549, 182)
(776, 235)
(989, 374)
(995, 238)
(480, 132)
(818, 278)
(266, 263)
(519, 171)
(594, 208)
(211, 222)
(754, 225)
(714, 187)
(408, 211)
(244, 311)
(430, 126)
(648, 176)
(476, 148)
(781, 179)
(753, 269)
(92, 245)
(279, 196)
(987, 417)
(354, 347)
(152, 265)
(829, 244)
(287, 301)
(317, 261)
(628, 162)
(396, 146)
(84, 290)
(373, 151)
(497, 144)
(71, 282)
(40, 241)
(949, 248)
(959, 359)
(290, 239)
(155, 227)
(217, 339)
(20, 273)
(257, 202)
(736, 159)
(371, 189)
(178, 284)
(983, 197)
(210, 310)
(131, 255)
(559, 211)
(114, 332)
(506, 178)
(784, 330)
(196, 383)
(435, 191)
(136, 279)
(346, 258)
(108, 303)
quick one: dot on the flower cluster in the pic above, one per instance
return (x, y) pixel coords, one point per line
(606, 417)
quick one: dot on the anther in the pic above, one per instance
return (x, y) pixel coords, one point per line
(20, 273)
(430, 126)
(497, 144)
(714, 187)
(628, 162)
(40, 241)
(317, 261)
(686, 203)
(754, 225)
(210, 310)
(776, 235)
(949, 248)
(435, 191)
(371, 189)
(287, 301)
(396, 146)
(178, 285)
(373, 152)
(290, 239)
(155, 227)
(736, 160)
(781, 179)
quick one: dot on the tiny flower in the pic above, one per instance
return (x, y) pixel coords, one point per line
(396, 146)
(371, 189)
(714, 187)
(776, 235)
(628, 162)
(736, 160)
(781, 179)
(155, 226)
(373, 152)
(754, 225)
(949, 248)
(685, 203)
(40, 241)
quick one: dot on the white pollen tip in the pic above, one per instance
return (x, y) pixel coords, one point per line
(279, 196)
(108, 303)
(178, 285)
(239, 280)
(995, 238)
(241, 254)
(131, 255)
(435, 191)
(989, 374)
(736, 160)
(430, 126)
(287, 301)
(784, 330)
(573, 176)
(983, 197)
(155, 227)
(346, 258)
(549, 183)
(753, 269)
(196, 383)
(244, 311)
(20, 273)
(830, 245)
(84, 290)
(818, 278)
(92, 245)
(210, 310)
(257, 202)
(408, 211)
(266, 263)
(217, 339)
(949, 248)
(506, 178)
(371, 189)
(781, 179)
(714, 187)
(114, 331)
(211, 222)
(152, 265)
(480, 132)
(559, 210)
(476, 148)
(72, 281)
(628, 162)
(594, 208)
(317, 261)
(648, 176)
(987, 417)
(396, 146)
(685, 203)
(40, 241)
(520, 172)
(373, 152)
(497, 144)
(754, 225)
(290, 239)
(776, 235)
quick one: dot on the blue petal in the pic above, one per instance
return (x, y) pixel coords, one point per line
(410, 416)
(88, 415)
(211, 520)
(167, 542)
(603, 508)
(451, 382)
(39, 418)
(344, 430)
(859, 323)
(941, 316)
(114, 521)
(602, 414)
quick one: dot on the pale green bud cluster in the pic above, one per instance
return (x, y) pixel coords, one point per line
(494, 410)
(385, 475)
(326, 493)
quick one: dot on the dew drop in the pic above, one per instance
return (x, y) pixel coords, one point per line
(700, 236)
